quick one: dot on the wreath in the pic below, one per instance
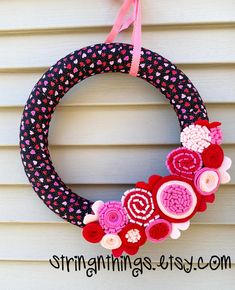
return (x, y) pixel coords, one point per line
(151, 211)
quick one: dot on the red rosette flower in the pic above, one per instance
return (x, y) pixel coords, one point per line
(93, 232)
(213, 156)
(133, 236)
(158, 230)
(139, 205)
(177, 198)
(184, 162)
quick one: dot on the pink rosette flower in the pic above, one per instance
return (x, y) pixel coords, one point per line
(176, 199)
(112, 217)
(111, 241)
(158, 230)
(184, 162)
(139, 205)
(216, 135)
(207, 180)
(196, 137)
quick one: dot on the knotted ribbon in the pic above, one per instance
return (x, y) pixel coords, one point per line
(121, 23)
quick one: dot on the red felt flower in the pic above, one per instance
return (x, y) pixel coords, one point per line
(139, 205)
(151, 182)
(184, 162)
(93, 232)
(127, 249)
(213, 156)
(133, 236)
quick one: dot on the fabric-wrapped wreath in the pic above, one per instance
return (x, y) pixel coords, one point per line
(152, 211)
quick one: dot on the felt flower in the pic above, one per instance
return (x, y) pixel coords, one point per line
(158, 230)
(184, 162)
(133, 235)
(112, 217)
(111, 241)
(213, 156)
(139, 205)
(93, 232)
(208, 124)
(95, 208)
(216, 135)
(176, 199)
(222, 170)
(207, 180)
(195, 137)
(177, 228)
(152, 181)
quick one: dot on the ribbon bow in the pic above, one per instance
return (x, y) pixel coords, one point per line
(121, 23)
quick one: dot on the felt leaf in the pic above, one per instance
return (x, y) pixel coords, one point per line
(89, 218)
(176, 227)
(224, 175)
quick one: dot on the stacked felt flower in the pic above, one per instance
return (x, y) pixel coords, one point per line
(176, 198)
(140, 206)
(132, 236)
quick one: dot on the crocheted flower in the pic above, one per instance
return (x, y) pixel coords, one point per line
(93, 232)
(184, 162)
(213, 156)
(177, 228)
(176, 198)
(139, 205)
(158, 230)
(207, 180)
(111, 241)
(216, 135)
(112, 217)
(195, 137)
(222, 170)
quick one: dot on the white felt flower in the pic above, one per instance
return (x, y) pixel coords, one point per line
(196, 137)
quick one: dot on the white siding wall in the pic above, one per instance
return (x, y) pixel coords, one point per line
(109, 132)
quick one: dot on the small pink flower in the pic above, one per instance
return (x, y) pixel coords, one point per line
(207, 181)
(216, 135)
(111, 241)
(196, 137)
(112, 217)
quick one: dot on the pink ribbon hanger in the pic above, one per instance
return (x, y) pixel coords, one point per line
(121, 23)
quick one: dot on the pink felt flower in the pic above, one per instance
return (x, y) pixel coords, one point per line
(111, 241)
(112, 217)
(176, 199)
(158, 230)
(195, 137)
(216, 135)
(184, 162)
(207, 180)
